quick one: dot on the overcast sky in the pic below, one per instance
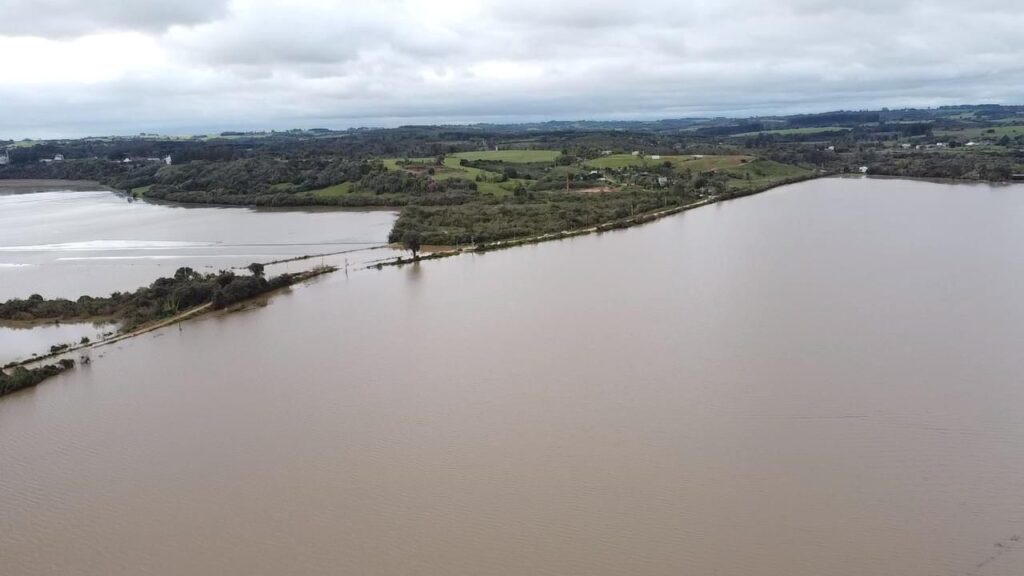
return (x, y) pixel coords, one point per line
(73, 68)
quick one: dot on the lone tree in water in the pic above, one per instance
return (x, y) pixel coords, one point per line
(412, 242)
(256, 268)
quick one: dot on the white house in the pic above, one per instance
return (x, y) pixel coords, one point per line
(167, 159)
(636, 152)
(4, 158)
(863, 169)
(58, 157)
(656, 157)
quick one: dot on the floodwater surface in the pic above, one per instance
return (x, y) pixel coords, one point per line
(71, 243)
(66, 243)
(22, 342)
(824, 379)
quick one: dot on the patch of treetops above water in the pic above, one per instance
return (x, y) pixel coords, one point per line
(164, 298)
(19, 378)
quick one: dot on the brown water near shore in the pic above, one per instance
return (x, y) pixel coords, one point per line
(824, 379)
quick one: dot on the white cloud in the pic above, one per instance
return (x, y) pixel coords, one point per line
(277, 63)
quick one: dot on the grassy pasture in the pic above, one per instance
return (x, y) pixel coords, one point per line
(759, 173)
(511, 156)
(1011, 130)
(695, 163)
(452, 169)
(333, 191)
(795, 131)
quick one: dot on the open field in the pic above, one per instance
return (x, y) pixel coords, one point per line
(760, 173)
(994, 132)
(334, 191)
(694, 163)
(795, 131)
(521, 156)
(486, 181)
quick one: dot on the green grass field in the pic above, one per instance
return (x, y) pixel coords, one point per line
(512, 156)
(794, 131)
(761, 172)
(695, 163)
(1011, 130)
(452, 169)
(334, 191)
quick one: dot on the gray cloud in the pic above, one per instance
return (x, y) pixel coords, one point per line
(69, 18)
(277, 64)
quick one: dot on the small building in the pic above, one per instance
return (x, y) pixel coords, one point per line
(656, 157)
(606, 153)
(636, 153)
(4, 158)
(906, 146)
(863, 169)
(662, 180)
(167, 160)
(58, 157)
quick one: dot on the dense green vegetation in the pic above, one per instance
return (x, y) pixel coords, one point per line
(19, 378)
(162, 299)
(489, 182)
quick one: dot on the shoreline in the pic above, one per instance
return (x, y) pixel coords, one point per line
(620, 224)
(435, 252)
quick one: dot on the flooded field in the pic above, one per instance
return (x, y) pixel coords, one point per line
(824, 379)
(67, 240)
(70, 243)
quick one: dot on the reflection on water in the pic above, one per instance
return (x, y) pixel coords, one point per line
(71, 243)
(822, 379)
(21, 342)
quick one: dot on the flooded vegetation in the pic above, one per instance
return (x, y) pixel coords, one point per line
(821, 379)
(73, 243)
(72, 252)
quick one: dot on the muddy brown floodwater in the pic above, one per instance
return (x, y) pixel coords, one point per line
(824, 379)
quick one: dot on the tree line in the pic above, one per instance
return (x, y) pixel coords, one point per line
(162, 299)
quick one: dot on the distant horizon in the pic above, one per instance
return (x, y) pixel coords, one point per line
(392, 123)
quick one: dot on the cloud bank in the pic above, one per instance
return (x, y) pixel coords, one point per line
(105, 66)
